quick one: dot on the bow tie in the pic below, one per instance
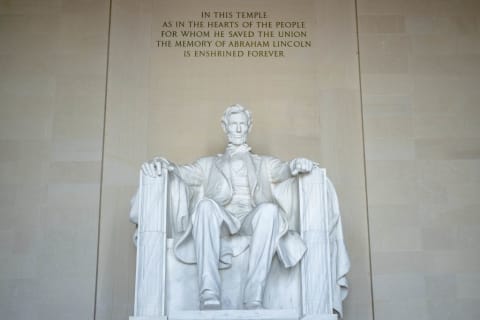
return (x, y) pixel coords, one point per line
(233, 150)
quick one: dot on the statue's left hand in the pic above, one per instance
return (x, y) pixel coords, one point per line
(301, 165)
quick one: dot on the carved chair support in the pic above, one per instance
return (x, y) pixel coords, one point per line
(316, 275)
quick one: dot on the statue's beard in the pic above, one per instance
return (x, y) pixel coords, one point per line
(237, 139)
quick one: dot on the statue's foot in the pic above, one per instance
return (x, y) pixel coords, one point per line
(210, 301)
(211, 304)
(253, 305)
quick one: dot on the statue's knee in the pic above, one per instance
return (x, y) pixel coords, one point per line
(206, 209)
(268, 212)
(205, 204)
(268, 207)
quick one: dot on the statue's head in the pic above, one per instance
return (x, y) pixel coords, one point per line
(237, 122)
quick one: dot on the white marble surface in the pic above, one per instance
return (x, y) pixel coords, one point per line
(235, 315)
(182, 286)
(261, 248)
(238, 315)
(151, 247)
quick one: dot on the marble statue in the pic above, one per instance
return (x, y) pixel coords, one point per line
(238, 195)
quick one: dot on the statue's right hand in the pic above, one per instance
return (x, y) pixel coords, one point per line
(155, 167)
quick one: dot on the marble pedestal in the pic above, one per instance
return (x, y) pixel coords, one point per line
(275, 314)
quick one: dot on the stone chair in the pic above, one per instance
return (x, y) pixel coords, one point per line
(166, 288)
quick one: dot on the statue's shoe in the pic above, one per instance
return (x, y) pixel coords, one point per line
(253, 305)
(211, 304)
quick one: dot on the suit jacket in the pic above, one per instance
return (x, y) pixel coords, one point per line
(209, 177)
(212, 174)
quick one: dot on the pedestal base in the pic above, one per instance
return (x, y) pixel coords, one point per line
(320, 317)
(265, 314)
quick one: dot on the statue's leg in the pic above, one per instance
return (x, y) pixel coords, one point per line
(207, 221)
(264, 225)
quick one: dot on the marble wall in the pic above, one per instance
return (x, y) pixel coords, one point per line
(52, 97)
(420, 67)
(160, 103)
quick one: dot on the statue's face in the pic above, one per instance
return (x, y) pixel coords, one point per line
(237, 128)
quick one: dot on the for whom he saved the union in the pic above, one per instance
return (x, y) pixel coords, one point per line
(229, 195)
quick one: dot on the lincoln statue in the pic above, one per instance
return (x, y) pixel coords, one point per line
(234, 196)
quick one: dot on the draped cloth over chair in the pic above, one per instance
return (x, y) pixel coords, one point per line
(316, 289)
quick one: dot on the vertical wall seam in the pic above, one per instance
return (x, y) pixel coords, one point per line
(107, 59)
(364, 161)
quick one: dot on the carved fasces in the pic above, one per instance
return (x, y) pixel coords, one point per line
(151, 243)
(315, 265)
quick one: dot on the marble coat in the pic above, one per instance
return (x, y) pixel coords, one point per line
(209, 177)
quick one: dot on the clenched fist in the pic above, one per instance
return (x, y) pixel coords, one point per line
(301, 165)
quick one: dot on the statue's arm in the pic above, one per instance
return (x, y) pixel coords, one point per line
(278, 170)
(191, 174)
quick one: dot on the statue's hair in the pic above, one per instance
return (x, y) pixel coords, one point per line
(236, 108)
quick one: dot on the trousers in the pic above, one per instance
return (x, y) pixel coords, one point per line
(262, 224)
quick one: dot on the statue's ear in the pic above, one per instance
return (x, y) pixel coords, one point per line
(250, 127)
(224, 126)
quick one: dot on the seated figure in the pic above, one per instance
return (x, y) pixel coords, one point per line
(234, 194)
